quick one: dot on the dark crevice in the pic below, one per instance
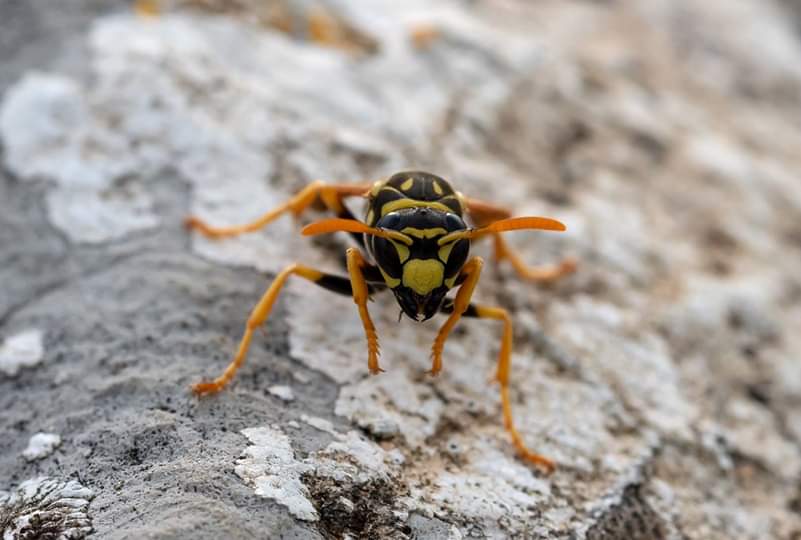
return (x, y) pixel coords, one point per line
(630, 519)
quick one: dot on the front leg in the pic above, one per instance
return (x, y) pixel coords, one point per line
(469, 277)
(361, 293)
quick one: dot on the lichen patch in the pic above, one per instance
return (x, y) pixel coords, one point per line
(269, 465)
(46, 507)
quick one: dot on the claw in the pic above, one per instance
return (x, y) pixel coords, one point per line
(205, 388)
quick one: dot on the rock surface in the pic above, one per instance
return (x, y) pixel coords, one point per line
(663, 376)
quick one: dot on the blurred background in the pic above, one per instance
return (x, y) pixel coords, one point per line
(663, 376)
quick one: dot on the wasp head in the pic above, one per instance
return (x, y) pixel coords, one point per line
(418, 269)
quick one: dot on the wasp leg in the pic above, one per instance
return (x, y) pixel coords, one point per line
(502, 376)
(484, 214)
(357, 266)
(262, 311)
(330, 195)
(532, 273)
(147, 8)
(469, 277)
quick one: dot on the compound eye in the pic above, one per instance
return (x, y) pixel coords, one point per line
(386, 255)
(390, 221)
(454, 222)
(457, 258)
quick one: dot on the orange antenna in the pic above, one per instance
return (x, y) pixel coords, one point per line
(511, 224)
(351, 225)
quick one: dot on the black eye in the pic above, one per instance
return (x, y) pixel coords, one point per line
(390, 221)
(454, 222)
(387, 257)
(457, 258)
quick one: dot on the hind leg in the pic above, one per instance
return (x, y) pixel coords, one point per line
(502, 375)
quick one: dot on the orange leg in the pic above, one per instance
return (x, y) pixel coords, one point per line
(502, 376)
(147, 8)
(472, 271)
(356, 263)
(256, 319)
(484, 214)
(424, 35)
(331, 196)
(532, 273)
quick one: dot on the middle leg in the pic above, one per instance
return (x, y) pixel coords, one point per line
(484, 214)
(330, 195)
(262, 310)
(531, 273)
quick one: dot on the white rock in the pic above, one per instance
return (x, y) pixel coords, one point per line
(41, 445)
(284, 393)
(268, 464)
(21, 350)
(320, 423)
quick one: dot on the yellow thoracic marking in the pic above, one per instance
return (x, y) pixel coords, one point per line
(423, 275)
(407, 185)
(437, 187)
(424, 233)
(403, 251)
(377, 185)
(389, 280)
(445, 252)
(450, 282)
(370, 216)
(400, 204)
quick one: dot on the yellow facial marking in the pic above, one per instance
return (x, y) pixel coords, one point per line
(407, 185)
(445, 252)
(389, 280)
(396, 236)
(450, 238)
(450, 282)
(403, 252)
(437, 187)
(424, 233)
(423, 275)
(400, 204)
(370, 217)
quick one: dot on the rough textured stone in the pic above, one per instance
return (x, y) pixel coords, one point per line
(662, 376)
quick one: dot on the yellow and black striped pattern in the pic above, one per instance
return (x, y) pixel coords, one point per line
(414, 189)
(423, 208)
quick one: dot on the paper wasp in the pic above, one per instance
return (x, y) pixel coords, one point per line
(417, 244)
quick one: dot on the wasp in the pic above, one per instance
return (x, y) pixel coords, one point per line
(417, 244)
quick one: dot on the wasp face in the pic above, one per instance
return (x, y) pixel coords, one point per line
(419, 270)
